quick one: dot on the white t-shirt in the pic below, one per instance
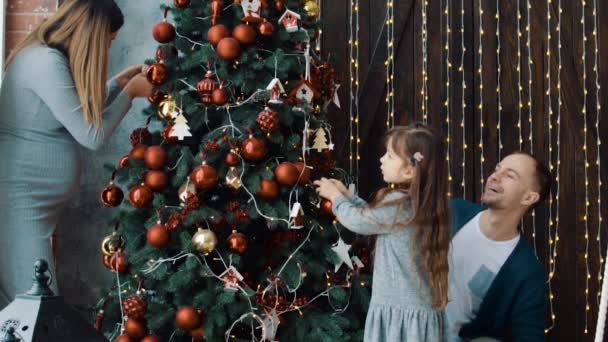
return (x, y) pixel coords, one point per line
(474, 261)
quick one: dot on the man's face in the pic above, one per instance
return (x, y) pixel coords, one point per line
(512, 185)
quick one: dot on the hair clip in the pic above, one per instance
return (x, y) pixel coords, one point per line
(416, 158)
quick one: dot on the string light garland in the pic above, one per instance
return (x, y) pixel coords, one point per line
(353, 113)
(463, 50)
(448, 107)
(480, 106)
(424, 91)
(390, 65)
(585, 218)
(518, 68)
(498, 92)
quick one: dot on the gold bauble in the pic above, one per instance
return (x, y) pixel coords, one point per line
(232, 178)
(312, 9)
(166, 109)
(111, 244)
(204, 241)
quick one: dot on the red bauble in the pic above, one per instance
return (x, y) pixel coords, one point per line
(136, 329)
(278, 4)
(217, 33)
(287, 174)
(181, 4)
(167, 135)
(138, 152)
(244, 33)
(163, 32)
(135, 307)
(216, 9)
(107, 261)
(253, 149)
(156, 97)
(206, 87)
(156, 180)
(326, 208)
(124, 162)
(304, 171)
(219, 97)
(118, 263)
(161, 52)
(158, 236)
(111, 196)
(198, 334)
(140, 136)
(157, 74)
(141, 196)
(269, 189)
(123, 338)
(204, 177)
(187, 318)
(237, 243)
(228, 49)
(151, 338)
(155, 157)
(268, 120)
(232, 159)
(266, 28)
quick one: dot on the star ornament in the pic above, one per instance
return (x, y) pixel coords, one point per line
(341, 249)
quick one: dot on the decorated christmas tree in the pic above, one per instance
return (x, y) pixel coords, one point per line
(223, 237)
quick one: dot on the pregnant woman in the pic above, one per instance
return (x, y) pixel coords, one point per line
(54, 97)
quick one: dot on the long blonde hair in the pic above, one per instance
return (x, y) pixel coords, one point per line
(81, 30)
(427, 196)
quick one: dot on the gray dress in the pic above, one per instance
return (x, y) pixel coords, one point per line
(401, 305)
(41, 128)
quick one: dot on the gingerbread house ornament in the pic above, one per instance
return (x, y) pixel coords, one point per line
(252, 9)
(305, 92)
(231, 278)
(290, 19)
(276, 89)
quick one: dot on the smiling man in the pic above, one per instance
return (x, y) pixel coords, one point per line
(496, 284)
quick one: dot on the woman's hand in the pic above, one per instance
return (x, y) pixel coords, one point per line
(139, 86)
(327, 188)
(126, 75)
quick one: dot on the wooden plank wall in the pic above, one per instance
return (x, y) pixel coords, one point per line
(569, 283)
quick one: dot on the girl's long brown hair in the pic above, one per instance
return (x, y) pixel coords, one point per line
(427, 196)
(81, 29)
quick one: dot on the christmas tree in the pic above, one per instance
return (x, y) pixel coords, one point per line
(223, 237)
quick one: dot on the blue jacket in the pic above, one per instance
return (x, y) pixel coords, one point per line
(514, 306)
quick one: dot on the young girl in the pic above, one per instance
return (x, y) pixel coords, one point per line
(411, 222)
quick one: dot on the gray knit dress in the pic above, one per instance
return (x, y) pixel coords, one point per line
(401, 305)
(41, 128)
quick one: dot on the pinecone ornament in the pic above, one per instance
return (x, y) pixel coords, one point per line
(135, 307)
(268, 120)
(212, 146)
(140, 136)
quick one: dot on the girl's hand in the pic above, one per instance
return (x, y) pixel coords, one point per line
(139, 86)
(327, 189)
(342, 188)
(126, 75)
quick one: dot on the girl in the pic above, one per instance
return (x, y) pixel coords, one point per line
(411, 222)
(54, 97)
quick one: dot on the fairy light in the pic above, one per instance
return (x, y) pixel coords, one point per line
(518, 68)
(353, 43)
(463, 51)
(390, 64)
(498, 94)
(424, 91)
(448, 109)
(585, 218)
(318, 42)
(598, 109)
(480, 106)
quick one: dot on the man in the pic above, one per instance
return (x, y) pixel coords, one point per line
(496, 284)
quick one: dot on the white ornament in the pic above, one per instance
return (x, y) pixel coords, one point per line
(289, 19)
(276, 89)
(180, 128)
(341, 249)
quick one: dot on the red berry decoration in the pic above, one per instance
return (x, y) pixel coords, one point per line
(163, 32)
(140, 136)
(111, 196)
(138, 152)
(136, 329)
(268, 120)
(135, 307)
(158, 236)
(228, 49)
(204, 177)
(287, 174)
(157, 74)
(217, 33)
(141, 196)
(269, 189)
(187, 318)
(253, 149)
(244, 33)
(155, 157)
